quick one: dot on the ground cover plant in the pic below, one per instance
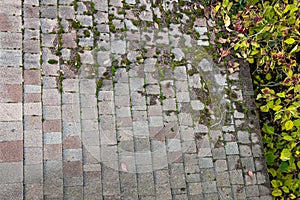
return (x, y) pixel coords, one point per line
(266, 35)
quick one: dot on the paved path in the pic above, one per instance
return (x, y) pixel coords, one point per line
(111, 99)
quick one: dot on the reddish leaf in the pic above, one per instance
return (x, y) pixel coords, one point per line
(265, 91)
(123, 167)
(225, 52)
(231, 70)
(250, 174)
(222, 40)
(257, 19)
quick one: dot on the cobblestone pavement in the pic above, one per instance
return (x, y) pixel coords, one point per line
(111, 99)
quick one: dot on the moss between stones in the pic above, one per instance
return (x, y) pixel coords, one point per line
(52, 61)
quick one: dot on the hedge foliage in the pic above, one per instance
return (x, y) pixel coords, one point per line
(266, 34)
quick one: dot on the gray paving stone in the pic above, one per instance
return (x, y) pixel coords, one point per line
(52, 138)
(48, 12)
(72, 155)
(245, 150)
(195, 189)
(10, 40)
(178, 54)
(118, 47)
(225, 193)
(218, 153)
(252, 191)
(205, 162)
(223, 179)
(75, 192)
(14, 190)
(33, 155)
(89, 113)
(169, 104)
(140, 128)
(261, 177)
(107, 108)
(239, 192)
(197, 105)
(65, 2)
(13, 24)
(31, 61)
(185, 119)
(51, 97)
(257, 150)
(11, 131)
(66, 12)
(208, 174)
(209, 187)
(263, 190)
(87, 86)
(70, 85)
(221, 165)
(11, 112)
(173, 145)
(110, 180)
(15, 174)
(231, 148)
(177, 179)
(109, 153)
(70, 112)
(121, 89)
(33, 174)
(236, 177)
(10, 57)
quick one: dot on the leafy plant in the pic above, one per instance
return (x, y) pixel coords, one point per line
(266, 34)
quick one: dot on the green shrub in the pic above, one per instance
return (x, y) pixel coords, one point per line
(267, 35)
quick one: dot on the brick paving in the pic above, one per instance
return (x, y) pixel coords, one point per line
(111, 99)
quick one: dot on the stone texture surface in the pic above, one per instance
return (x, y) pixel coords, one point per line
(98, 101)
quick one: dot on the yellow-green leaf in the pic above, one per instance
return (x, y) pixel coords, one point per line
(218, 7)
(278, 101)
(288, 138)
(277, 117)
(276, 192)
(287, 8)
(281, 94)
(268, 76)
(276, 108)
(229, 6)
(225, 3)
(289, 41)
(254, 52)
(292, 107)
(272, 171)
(250, 60)
(295, 49)
(292, 196)
(289, 125)
(276, 183)
(297, 122)
(285, 155)
(245, 55)
(227, 20)
(236, 46)
(270, 104)
(285, 189)
(264, 108)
